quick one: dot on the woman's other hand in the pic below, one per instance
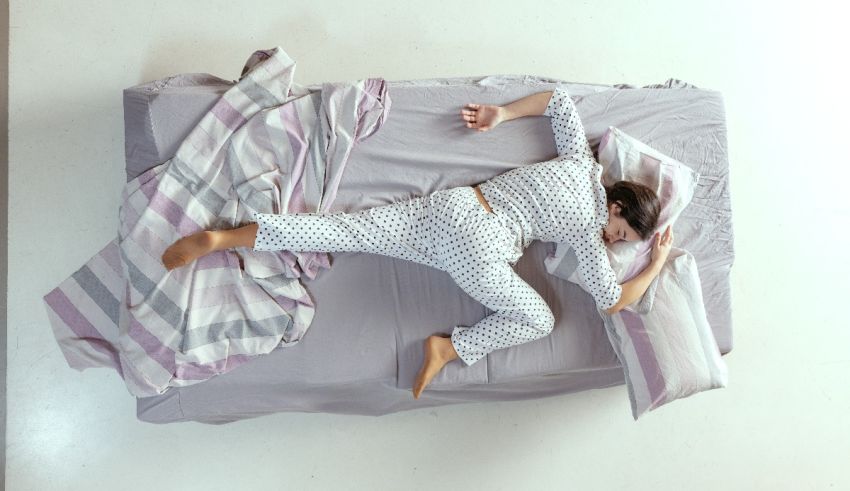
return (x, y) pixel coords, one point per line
(661, 246)
(482, 117)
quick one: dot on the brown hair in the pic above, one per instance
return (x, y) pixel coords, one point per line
(639, 206)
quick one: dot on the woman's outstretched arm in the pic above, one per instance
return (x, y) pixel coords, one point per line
(483, 117)
(532, 105)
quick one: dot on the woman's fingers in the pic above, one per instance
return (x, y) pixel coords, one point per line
(477, 117)
(470, 110)
(470, 116)
(668, 235)
(664, 238)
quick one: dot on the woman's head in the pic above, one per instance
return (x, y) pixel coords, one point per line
(633, 211)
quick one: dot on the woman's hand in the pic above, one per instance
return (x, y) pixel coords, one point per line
(482, 117)
(661, 247)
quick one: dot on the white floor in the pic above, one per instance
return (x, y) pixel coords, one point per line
(781, 424)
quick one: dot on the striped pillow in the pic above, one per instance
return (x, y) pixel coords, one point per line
(668, 352)
(626, 158)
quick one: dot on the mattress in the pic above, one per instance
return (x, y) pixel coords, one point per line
(365, 345)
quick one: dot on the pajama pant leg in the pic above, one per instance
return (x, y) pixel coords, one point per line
(398, 230)
(481, 265)
(447, 230)
(521, 315)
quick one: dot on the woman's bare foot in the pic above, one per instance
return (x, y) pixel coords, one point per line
(187, 249)
(438, 351)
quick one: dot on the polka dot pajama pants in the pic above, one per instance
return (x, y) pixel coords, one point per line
(449, 230)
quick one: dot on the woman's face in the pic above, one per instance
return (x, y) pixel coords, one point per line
(618, 228)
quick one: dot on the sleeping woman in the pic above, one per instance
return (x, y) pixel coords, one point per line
(477, 233)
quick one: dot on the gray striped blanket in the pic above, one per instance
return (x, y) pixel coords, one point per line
(267, 146)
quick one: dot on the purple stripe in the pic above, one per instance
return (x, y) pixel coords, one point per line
(215, 260)
(77, 322)
(153, 347)
(291, 304)
(227, 114)
(306, 300)
(289, 258)
(646, 356)
(286, 303)
(174, 214)
(145, 176)
(149, 186)
(295, 134)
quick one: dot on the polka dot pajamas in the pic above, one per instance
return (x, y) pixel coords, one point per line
(448, 230)
(561, 200)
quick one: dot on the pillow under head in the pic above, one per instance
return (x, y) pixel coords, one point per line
(624, 158)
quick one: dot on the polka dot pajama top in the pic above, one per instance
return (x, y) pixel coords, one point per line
(562, 200)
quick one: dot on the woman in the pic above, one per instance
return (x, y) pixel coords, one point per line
(477, 233)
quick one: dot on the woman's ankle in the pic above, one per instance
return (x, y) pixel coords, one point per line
(244, 236)
(215, 239)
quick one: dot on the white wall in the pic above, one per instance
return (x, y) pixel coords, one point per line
(781, 424)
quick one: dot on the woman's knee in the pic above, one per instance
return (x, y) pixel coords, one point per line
(539, 317)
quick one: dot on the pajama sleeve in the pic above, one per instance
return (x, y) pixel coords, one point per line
(566, 125)
(595, 270)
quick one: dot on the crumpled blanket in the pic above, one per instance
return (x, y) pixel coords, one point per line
(267, 146)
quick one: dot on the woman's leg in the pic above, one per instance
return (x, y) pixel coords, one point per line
(238, 237)
(521, 315)
(396, 230)
(477, 252)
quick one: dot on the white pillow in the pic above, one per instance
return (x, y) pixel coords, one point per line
(624, 158)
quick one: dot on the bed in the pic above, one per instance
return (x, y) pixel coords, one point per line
(364, 345)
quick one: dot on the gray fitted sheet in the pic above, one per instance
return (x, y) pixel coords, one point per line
(364, 347)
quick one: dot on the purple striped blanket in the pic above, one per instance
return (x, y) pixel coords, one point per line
(267, 146)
